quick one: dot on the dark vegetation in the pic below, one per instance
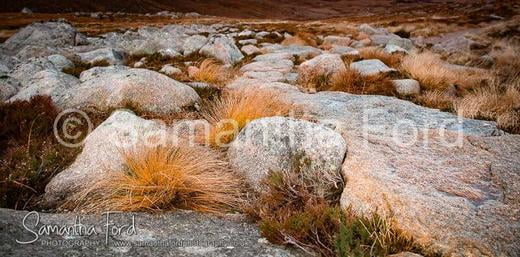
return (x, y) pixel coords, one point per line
(302, 210)
(30, 153)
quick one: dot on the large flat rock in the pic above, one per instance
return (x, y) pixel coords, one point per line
(451, 183)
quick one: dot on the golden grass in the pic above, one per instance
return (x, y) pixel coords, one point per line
(429, 70)
(213, 72)
(392, 60)
(351, 81)
(165, 178)
(500, 103)
(313, 79)
(507, 61)
(232, 111)
(436, 99)
(435, 75)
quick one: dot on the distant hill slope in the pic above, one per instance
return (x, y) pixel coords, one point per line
(280, 9)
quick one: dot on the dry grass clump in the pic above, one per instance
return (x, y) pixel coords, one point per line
(293, 211)
(351, 81)
(507, 61)
(30, 154)
(432, 28)
(435, 75)
(165, 178)
(313, 79)
(301, 39)
(497, 102)
(213, 72)
(480, 94)
(507, 30)
(429, 70)
(234, 109)
(436, 99)
(392, 60)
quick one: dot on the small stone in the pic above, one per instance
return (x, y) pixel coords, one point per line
(344, 51)
(246, 33)
(250, 49)
(404, 43)
(336, 40)
(60, 62)
(169, 53)
(26, 10)
(108, 55)
(371, 67)
(223, 49)
(262, 34)
(194, 44)
(407, 87)
(248, 41)
(389, 48)
(96, 15)
(139, 64)
(325, 64)
(169, 70)
(365, 28)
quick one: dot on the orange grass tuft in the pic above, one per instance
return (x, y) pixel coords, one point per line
(434, 74)
(436, 99)
(165, 178)
(351, 81)
(313, 79)
(493, 103)
(507, 61)
(232, 111)
(213, 72)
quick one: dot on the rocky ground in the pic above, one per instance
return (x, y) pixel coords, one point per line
(176, 234)
(450, 182)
